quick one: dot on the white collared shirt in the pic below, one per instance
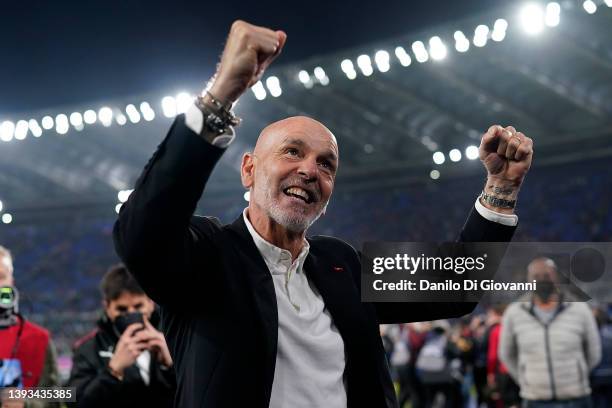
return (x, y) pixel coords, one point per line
(310, 355)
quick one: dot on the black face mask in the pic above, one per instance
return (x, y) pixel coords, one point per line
(545, 288)
(124, 320)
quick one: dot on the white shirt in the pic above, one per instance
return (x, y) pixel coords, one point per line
(143, 362)
(310, 355)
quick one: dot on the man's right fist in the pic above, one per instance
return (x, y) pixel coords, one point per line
(249, 50)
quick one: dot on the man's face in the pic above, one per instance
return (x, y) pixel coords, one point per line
(129, 303)
(293, 172)
(6, 271)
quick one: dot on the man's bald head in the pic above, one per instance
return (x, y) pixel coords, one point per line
(276, 132)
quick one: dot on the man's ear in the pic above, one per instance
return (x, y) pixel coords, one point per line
(247, 170)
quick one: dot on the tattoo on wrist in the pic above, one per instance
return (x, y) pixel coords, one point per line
(505, 190)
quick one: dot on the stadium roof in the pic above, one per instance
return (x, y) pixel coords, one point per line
(547, 72)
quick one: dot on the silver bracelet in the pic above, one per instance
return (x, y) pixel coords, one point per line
(217, 119)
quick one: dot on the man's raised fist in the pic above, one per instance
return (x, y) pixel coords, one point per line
(248, 52)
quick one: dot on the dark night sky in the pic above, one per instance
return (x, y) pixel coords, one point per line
(63, 52)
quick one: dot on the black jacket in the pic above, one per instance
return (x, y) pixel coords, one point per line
(216, 293)
(96, 387)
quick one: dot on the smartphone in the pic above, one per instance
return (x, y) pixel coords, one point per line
(124, 320)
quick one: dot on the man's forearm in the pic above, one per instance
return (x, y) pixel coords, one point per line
(156, 217)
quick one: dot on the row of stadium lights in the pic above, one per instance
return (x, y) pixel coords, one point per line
(533, 17)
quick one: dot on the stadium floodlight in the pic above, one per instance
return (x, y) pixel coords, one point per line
(105, 115)
(118, 207)
(47, 122)
(420, 53)
(259, 91)
(402, 56)
(553, 13)
(247, 196)
(499, 30)
(462, 44)
(61, 124)
(471, 152)
(319, 73)
(438, 157)
(169, 106)
(434, 174)
(365, 65)
(454, 155)
(304, 77)
(273, 85)
(7, 129)
(7, 218)
(132, 113)
(90, 116)
(21, 130)
(321, 76)
(76, 119)
(589, 6)
(1, 205)
(532, 18)
(381, 58)
(123, 195)
(481, 35)
(437, 49)
(348, 68)
(35, 128)
(183, 102)
(147, 111)
(608, 3)
(121, 119)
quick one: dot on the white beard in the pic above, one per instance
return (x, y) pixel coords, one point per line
(294, 221)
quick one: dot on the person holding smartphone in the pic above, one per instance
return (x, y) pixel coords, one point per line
(125, 361)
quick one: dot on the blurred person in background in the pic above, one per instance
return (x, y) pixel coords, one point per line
(479, 367)
(27, 354)
(601, 376)
(502, 391)
(549, 344)
(125, 361)
(438, 367)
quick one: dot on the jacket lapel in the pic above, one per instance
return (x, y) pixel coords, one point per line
(333, 280)
(262, 286)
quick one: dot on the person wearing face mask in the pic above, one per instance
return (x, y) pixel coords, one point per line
(27, 354)
(125, 361)
(549, 344)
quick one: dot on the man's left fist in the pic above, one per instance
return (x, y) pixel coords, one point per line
(506, 154)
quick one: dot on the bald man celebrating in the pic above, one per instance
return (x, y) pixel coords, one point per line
(255, 313)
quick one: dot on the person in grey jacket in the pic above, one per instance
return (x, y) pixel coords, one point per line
(549, 344)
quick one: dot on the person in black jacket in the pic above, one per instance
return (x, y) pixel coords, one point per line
(125, 361)
(256, 314)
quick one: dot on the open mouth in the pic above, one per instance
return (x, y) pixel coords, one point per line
(299, 193)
